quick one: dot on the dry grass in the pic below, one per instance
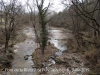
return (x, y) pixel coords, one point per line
(90, 49)
(69, 44)
(72, 45)
(39, 58)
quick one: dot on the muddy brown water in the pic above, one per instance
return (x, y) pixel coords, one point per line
(57, 37)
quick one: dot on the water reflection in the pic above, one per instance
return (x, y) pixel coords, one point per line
(58, 38)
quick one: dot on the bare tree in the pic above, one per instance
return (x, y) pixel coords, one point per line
(42, 15)
(82, 8)
(10, 12)
(86, 23)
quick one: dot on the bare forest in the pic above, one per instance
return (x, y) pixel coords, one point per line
(36, 40)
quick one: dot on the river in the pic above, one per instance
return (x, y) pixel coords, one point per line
(57, 36)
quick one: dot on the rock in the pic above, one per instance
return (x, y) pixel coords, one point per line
(52, 57)
(16, 50)
(44, 64)
(49, 43)
(52, 61)
(33, 66)
(26, 57)
(49, 65)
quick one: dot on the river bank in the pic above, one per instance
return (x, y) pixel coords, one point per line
(66, 61)
(60, 57)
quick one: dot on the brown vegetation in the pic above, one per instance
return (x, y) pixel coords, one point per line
(39, 58)
(83, 19)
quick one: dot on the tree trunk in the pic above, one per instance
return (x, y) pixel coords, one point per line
(7, 42)
(6, 45)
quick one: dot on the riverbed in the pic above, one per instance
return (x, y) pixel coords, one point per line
(23, 62)
(57, 36)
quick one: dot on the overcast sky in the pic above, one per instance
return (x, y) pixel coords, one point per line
(57, 6)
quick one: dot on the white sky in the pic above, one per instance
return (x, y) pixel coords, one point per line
(57, 6)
